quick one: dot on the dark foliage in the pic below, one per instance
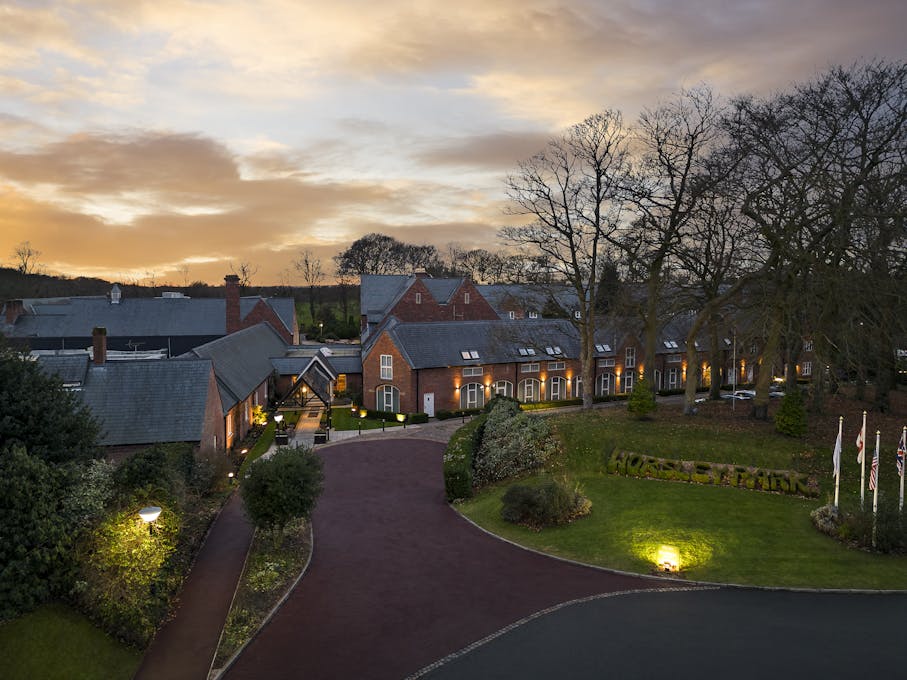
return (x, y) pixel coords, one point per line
(283, 487)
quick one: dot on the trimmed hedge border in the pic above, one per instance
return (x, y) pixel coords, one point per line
(720, 474)
(460, 413)
(458, 459)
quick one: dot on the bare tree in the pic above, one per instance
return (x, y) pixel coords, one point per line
(568, 191)
(245, 270)
(309, 267)
(669, 176)
(183, 270)
(25, 258)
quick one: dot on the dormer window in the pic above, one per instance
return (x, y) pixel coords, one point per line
(533, 315)
(115, 294)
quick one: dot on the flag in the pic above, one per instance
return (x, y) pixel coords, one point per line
(902, 452)
(874, 471)
(861, 442)
(837, 455)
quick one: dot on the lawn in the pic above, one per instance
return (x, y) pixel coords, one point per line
(343, 419)
(55, 641)
(723, 534)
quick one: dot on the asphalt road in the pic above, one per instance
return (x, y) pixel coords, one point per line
(726, 633)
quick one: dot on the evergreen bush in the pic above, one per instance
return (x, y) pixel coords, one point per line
(513, 443)
(791, 416)
(549, 504)
(642, 400)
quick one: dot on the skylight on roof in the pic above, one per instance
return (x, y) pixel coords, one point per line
(469, 354)
(524, 352)
(603, 347)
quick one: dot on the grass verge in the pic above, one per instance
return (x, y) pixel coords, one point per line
(56, 641)
(342, 419)
(723, 534)
(275, 561)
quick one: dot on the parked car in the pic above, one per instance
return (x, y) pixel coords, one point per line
(741, 395)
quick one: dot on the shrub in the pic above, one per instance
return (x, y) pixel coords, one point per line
(538, 405)
(460, 413)
(642, 400)
(514, 405)
(417, 418)
(791, 416)
(458, 459)
(283, 487)
(512, 444)
(548, 504)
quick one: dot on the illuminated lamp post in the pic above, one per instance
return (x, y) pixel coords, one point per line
(149, 514)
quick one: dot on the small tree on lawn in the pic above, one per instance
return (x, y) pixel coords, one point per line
(283, 487)
(791, 416)
(642, 400)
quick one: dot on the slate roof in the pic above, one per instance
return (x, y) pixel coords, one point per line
(242, 360)
(527, 297)
(378, 291)
(142, 402)
(76, 316)
(343, 358)
(435, 344)
(70, 368)
(442, 289)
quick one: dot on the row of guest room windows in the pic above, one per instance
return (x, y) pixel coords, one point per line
(473, 395)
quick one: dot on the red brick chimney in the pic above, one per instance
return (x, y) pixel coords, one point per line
(233, 318)
(99, 345)
(14, 309)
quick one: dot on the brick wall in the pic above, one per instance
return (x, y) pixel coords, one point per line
(263, 312)
(403, 375)
(429, 309)
(213, 426)
(231, 283)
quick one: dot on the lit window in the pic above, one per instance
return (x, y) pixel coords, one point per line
(387, 367)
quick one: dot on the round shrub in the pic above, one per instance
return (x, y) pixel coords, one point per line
(512, 444)
(548, 504)
(283, 487)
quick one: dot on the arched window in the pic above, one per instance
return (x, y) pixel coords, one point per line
(503, 388)
(388, 398)
(472, 395)
(557, 388)
(529, 390)
(577, 387)
(604, 383)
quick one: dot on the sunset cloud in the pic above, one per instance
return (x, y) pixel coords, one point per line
(139, 136)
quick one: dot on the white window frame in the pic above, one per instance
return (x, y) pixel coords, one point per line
(533, 315)
(557, 365)
(531, 367)
(603, 384)
(382, 393)
(512, 315)
(387, 366)
(418, 298)
(465, 298)
(557, 388)
(472, 395)
(806, 368)
(577, 386)
(628, 381)
(606, 363)
(630, 357)
(807, 345)
(503, 388)
(533, 387)
(673, 379)
(473, 371)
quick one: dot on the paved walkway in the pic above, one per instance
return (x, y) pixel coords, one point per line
(398, 579)
(185, 646)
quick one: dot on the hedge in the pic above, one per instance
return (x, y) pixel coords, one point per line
(458, 459)
(720, 474)
(460, 413)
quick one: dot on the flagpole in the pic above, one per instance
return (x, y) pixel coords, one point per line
(903, 470)
(863, 460)
(875, 491)
(838, 466)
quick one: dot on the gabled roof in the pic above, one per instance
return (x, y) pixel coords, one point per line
(442, 289)
(377, 292)
(143, 402)
(69, 368)
(343, 358)
(439, 344)
(75, 316)
(504, 296)
(242, 360)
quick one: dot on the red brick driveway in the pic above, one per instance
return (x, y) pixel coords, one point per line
(398, 579)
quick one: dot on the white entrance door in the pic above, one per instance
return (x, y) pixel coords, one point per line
(428, 404)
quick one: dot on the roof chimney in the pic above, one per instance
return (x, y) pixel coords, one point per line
(14, 308)
(99, 345)
(233, 319)
(421, 274)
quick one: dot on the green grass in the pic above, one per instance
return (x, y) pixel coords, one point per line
(342, 419)
(55, 641)
(723, 534)
(263, 443)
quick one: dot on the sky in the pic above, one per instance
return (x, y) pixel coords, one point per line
(174, 139)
